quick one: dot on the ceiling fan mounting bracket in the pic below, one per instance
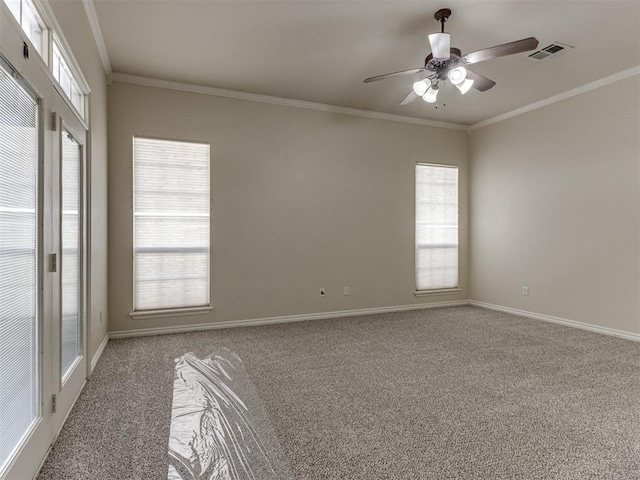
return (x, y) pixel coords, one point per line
(442, 13)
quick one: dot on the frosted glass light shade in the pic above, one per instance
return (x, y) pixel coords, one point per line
(440, 45)
(457, 75)
(465, 86)
(420, 87)
(431, 95)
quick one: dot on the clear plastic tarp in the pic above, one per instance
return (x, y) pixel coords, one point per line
(219, 430)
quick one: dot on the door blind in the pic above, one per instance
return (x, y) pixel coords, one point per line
(436, 227)
(171, 224)
(70, 261)
(19, 352)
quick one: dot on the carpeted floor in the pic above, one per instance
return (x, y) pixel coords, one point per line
(457, 392)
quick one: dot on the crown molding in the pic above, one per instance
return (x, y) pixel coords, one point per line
(288, 102)
(94, 23)
(616, 77)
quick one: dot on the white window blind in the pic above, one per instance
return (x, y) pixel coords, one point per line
(70, 260)
(19, 352)
(171, 224)
(436, 227)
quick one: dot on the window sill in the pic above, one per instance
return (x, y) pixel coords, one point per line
(441, 291)
(170, 312)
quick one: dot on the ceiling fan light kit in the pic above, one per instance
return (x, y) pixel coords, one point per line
(457, 75)
(420, 87)
(431, 95)
(448, 63)
(465, 86)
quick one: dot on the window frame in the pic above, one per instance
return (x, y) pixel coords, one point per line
(44, 56)
(53, 34)
(434, 291)
(64, 63)
(75, 81)
(173, 311)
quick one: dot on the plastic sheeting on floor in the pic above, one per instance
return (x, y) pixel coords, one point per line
(219, 430)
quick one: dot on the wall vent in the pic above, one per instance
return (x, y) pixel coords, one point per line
(549, 51)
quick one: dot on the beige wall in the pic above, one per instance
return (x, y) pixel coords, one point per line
(555, 207)
(301, 200)
(73, 21)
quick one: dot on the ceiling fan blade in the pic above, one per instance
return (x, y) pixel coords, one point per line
(394, 74)
(409, 98)
(518, 46)
(479, 82)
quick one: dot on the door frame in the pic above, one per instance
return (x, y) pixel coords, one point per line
(68, 385)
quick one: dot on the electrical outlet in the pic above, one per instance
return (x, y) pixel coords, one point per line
(346, 291)
(323, 292)
(525, 291)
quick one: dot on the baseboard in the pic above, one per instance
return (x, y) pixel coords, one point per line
(286, 319)
(98, 354)
(561, 321)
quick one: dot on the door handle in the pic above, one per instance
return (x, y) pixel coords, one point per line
(53, 262)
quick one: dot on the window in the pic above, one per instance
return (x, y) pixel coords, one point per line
(19, 278)
(171, 224)
(67, 81)
(436, 227)
(32, 24)
(39, 34)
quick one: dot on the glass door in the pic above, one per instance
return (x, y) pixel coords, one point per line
(19, 262)
(25, 276)
(70, 365)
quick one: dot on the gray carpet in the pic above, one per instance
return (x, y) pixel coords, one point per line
(445, 393)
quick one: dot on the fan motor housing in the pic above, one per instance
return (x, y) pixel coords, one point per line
(443, 66)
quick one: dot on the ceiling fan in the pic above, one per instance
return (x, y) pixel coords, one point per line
(445, 62)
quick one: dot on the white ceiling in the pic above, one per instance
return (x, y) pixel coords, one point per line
(320, 51)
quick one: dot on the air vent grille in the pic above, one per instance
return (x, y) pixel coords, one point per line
(549, 51)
